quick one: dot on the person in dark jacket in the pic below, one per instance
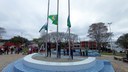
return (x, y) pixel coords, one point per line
(12, 50)
(59, 49)
(71, 53)
(49, 49)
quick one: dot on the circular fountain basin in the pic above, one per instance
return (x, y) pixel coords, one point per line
(58, 66)
(29, 64)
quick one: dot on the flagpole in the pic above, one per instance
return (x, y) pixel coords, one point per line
(57, 28)
(69, 29)
(47, 29)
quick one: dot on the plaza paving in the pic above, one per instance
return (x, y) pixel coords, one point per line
(6, 59)
(119, 66)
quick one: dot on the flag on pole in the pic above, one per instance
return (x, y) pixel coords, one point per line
(42, 32)
(45, 26)
(54, 19)
(68, 22)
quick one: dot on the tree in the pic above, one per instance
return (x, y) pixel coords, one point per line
(18, 40)
(2, 31)
(36, 40)
(123, 41)
(63, 37)
(98, 32)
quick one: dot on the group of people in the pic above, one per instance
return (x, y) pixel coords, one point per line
(32, 50)
(10, 50)
(59, 50)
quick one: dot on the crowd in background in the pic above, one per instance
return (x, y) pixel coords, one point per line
(10, 50)
(17, 50)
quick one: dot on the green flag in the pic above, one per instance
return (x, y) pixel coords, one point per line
(68, 22)
(54, 19)
(45, 26)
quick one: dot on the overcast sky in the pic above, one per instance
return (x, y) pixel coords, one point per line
(26, 17)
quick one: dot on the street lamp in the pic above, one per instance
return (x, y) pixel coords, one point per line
(110, 36)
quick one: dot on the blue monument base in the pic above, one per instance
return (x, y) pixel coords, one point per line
(93, 53)
(88, 65)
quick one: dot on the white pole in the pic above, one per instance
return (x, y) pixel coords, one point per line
(57, 28)
(47, 28)
(69, 30)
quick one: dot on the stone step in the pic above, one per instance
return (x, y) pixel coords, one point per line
(108, 67)
(19, 67)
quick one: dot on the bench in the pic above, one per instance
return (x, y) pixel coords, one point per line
(125, 60)
(118, 58)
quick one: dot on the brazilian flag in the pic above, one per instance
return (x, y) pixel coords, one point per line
(54, 19)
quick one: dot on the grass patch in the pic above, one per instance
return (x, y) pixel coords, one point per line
(119, 54)
(116, 54)
(106, 53)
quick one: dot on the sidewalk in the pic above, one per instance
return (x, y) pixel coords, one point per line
(119, 66)
(6, 59)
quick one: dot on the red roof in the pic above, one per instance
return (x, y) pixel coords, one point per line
(9, 44)
(1, 47)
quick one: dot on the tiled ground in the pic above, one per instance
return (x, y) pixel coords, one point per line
(6, 59)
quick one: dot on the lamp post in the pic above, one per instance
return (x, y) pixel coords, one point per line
(109, 24)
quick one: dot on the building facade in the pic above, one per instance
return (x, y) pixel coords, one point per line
(88, 44)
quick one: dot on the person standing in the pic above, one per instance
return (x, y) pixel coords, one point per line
(127, 54)
(7, 50)
(71, 51)
(59, 49)
(2, 50)
(49, 49)
(67, 50)
(12, 49)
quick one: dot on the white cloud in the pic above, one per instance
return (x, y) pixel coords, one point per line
(28, 16)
